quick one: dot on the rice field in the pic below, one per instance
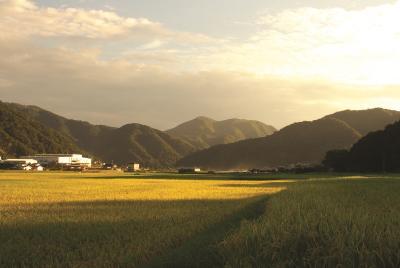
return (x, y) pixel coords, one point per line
(169, 220)
(104, 220)
(352, 222)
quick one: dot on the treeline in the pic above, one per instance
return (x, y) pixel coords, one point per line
(376, 152)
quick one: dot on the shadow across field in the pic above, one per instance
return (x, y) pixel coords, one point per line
(233, 176)
(121, 233)
(201, 249)
(261, 185)
(244, 177)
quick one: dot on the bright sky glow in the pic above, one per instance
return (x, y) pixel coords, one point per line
(117, 62)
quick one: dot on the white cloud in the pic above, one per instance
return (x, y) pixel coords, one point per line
(152, 45)
(301, 64)
(353, 46)
(347, 46)
(23, 18)
(81, 85)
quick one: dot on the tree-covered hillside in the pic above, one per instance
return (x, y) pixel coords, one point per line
(376, 152)
(21, 135)
(204, 132)
(130, 143)
(304, 142)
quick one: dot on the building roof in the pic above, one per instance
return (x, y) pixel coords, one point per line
(59, 155)
(20, 160)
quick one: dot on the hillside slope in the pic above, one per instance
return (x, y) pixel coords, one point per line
(21, 135)
(130, 143)
(205, 132)
(305, 142)
(143, 144)
(378, 151)
(365, 121)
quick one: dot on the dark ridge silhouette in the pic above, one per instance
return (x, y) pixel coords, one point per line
(305, 142)
(378, 151)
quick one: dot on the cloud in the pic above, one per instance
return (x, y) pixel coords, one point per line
(152, 45)
(24, 19)
(80, 85)
(300, 64)
(352, 46)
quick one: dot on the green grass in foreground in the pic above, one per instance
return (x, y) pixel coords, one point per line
(346, 223)
(157, 220)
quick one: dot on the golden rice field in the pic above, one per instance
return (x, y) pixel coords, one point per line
(166, 220)
(83, 220)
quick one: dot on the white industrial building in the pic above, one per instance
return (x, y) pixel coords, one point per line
(62, 159)
(22, 161)
(21, 164)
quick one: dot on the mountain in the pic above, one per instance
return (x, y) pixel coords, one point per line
(130, 143)
(29, 129)
(305, 142)
(378, 151)
(204, 132)
(142, 144)
(21, 135)
(365, 121)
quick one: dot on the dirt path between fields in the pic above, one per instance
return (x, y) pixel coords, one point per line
(201, 250)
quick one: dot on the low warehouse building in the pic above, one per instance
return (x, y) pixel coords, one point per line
(22, 161)
(21, 164)
(62, 160)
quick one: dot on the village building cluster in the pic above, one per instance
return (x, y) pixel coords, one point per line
(72, 162)
(39, 162)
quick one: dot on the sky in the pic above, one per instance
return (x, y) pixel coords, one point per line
(162, 62)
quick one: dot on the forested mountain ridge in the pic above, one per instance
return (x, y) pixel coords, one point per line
(204, 132)
(304, 142)
(29, 129)
(130, 143)
(21, 135)
(378, 151)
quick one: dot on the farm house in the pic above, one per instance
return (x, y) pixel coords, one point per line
(132, 167)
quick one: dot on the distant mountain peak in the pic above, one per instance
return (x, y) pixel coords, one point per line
(366, 120)
(202, 118)
(36, 130)
(302, 142)
(204, 132)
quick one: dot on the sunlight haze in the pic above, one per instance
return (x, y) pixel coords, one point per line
(163, 62)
